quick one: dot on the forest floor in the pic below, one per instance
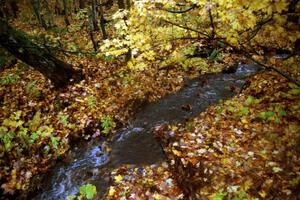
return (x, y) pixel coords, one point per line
(246, 147)
(43, 122)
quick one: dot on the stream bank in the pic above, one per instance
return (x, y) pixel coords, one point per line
(246, 147)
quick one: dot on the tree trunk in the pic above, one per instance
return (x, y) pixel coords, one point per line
(66, 12)
(102, 22)
(36, 9)
(57, 8)
(81, 4)
(95, 26)
(95, 44)
(75, 6)
(14, 7)
(2, 4)
(49, 13)
(4, 10)
(17, 44)
(121, 4)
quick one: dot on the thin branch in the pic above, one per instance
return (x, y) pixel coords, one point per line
(257, 29)
(247, 55)
(267, 67)
(188, 38)
(211, 23)
(181, 11)
(180, 4)
(274, 69)
(187, 28)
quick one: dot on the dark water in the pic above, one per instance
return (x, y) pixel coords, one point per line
(135, 144)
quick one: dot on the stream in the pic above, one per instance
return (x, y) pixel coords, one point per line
(135, 144)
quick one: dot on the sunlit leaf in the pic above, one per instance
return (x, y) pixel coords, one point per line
(88, 190)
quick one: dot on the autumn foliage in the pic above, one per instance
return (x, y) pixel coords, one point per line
(137, 51)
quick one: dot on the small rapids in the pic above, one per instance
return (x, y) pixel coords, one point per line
(93, 162)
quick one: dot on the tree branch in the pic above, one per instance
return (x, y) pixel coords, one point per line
(274, 69)
(267, 67)
(187, 28)
(257, 28)
(181, 11)
(247, 55)
(212, 24)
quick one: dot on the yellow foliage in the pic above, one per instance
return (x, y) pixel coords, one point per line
(118, 178)
(150, 31)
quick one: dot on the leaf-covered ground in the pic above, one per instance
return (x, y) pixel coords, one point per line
(246, 147)
(243, 148)
(39, 123)
(42, 121)
(148, 182)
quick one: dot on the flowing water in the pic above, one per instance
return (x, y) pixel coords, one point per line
(92, 163)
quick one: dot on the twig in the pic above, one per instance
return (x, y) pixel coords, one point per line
(256, 30)
(274, 69)
(247, 55)
(212, 24)
(181, 11)
(187, 28)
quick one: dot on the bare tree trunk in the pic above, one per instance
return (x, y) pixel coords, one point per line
(75, 6)
(95, 45)
(2, 9)
(8, 9)
(81, 4)
(66, 12)
(95, 26)
(121, 4)
(36, 9)
(102, 22)
(57, 8)
(49, 13)
(14, 7)
(17, 44)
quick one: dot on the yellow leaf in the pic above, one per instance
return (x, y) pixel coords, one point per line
(130, 65)
(177, 153)
(262, 194)
(244, 120)
(157, 196)
(248, 184)
(118, 178)
(140, 66)
(174, 128)
(111, 191)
